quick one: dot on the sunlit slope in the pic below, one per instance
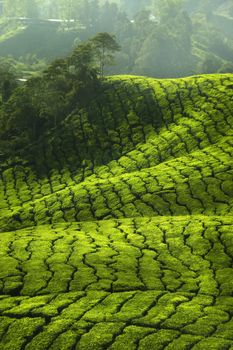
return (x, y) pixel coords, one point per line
(158, 147)
(147, 283)
(121, 237)
(176, 254)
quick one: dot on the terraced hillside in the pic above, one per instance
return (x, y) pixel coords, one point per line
(124, 238)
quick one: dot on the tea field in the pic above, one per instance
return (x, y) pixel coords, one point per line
(120, 236)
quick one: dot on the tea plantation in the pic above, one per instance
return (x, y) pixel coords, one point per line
(120, 236)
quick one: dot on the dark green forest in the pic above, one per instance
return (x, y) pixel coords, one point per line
(116, 175)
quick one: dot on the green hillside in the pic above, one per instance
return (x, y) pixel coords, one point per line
(118, 234)
(41, 39)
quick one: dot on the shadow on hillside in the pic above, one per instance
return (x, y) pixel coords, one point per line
(112, 125)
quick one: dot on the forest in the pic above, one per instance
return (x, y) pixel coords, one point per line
(170, 38)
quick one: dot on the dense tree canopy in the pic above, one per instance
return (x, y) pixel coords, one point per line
(43, 102)
(8, 80)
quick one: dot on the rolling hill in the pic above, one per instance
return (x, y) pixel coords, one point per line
(121, 234)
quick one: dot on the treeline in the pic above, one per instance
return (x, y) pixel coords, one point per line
(168, 38)
(30, 110)
(87, 11)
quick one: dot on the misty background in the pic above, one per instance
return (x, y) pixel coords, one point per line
(159, 38)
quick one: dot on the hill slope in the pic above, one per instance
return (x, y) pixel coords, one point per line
(123, 240)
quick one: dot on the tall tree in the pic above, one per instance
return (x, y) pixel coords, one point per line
(8, 81)
(11, 8)
(109, 13)
(105, 46)
(133, 6)
(32, 9)
(83, 74)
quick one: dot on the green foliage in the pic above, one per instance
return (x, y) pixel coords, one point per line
(120, 235)
(44, 101)
(8, 81)
(169, 38)
(105, 45)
